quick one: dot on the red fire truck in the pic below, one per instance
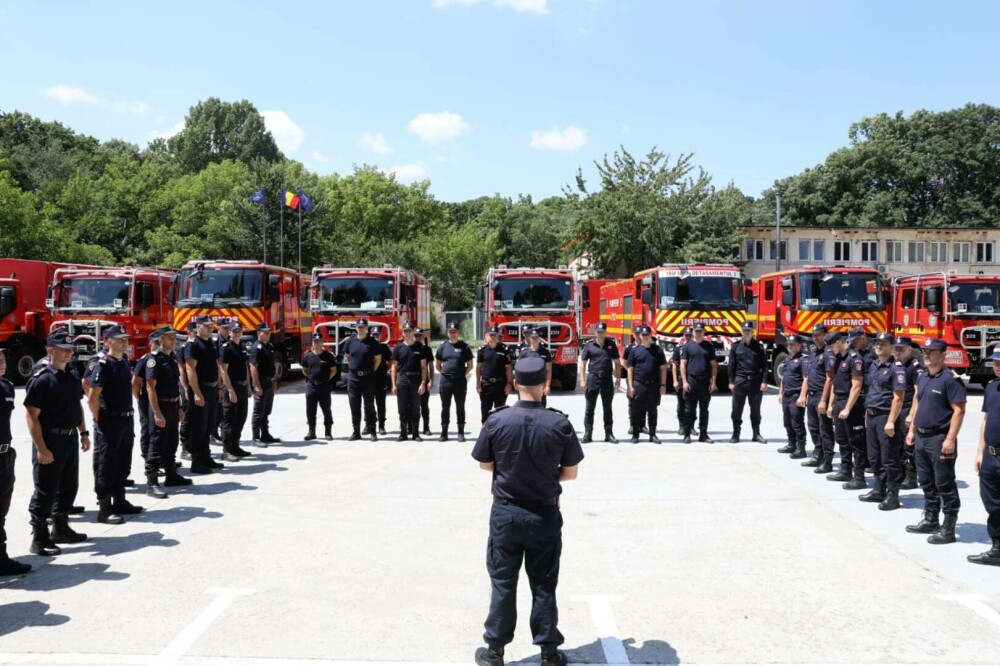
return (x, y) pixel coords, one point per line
(252, 292)
(962, 310)
(795, 300)
(545, 298)
(589, 307)
(24, 317)
(671, 297)
(387, 297)
(86, 301)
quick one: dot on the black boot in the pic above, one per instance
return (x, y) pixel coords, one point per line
(857, 481)
(910, 478)
(654, 439)
(106, 515)
(9, 567)
(122, 506)
(489, 656)
(427, 427)
(311, 435)
(76, 510)
(588, 436)
(444, 433)
(735, 439)
(381, 429)
(609, 436)
(415, 429)
(551, 656)
(635, 434)
(373, 437)
(355, 436)
(799, 452)
(825, 465)
(200, 467)
(928, 523)
(703, 437)
(41, 542)
(230, 454)
(758, 438)
(788, 448)
(990, 557)
(153, 488)
(875, 495)
(368, 430)
(63, 533)
(256, 438)
(891, 501)
(846, 472)
(947, 532)
(268, 438)
(328, 433)
(174, 479)
(687, 435)
(816, 460)
(461, 432)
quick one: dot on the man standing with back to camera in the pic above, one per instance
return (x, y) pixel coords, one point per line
(529, 450)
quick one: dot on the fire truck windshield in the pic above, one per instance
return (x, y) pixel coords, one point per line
(533, 293)
(694, 291)
(93, 294)
(840, 291)
(222, 286)
(356, 293)
(974, 298)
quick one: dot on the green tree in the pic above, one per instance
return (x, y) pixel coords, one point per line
(215, 131)
(456, 259)
(42, 156)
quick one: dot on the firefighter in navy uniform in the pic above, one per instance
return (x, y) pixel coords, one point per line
(494, 372)
(848, 413)
(141, 396)
(235, 373)
(454, 363)
(8, 567)
(675, 369)
(912, 369)
(163, 372)
(820, 426)
(187, 395)
(832, 357)
(529, 450)
(747, 370)
(647, 381)
(938, 412)
(409, 380)
(201, 362)
(263, 374)
(600, 375)
(381, 381)
(883, 404)
(111, 406)
(536, 347)
(792, 398)
(220, 338)
(698, 370)
(363, 357)
(55, 416)
(319, 367)
(987, 464)
(426, 354)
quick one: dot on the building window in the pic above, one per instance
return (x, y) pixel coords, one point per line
(755, 250)
(869, 251)
(984, 252)
(915, 252)
(894, 251)
(961, 253)
(842, 250)
(805, 250)
(938, 252)
(784, 250)
(819, 250)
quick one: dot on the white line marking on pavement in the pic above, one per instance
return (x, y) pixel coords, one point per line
(975, 603)
(173, 652)
(607, 629)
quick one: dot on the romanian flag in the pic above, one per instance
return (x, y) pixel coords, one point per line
(291, 199)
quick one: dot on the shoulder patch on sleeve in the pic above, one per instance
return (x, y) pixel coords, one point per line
(151, 363)
(103, 361)
(553, 409)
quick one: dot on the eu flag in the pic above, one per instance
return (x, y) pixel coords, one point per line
(257, 197)
(305, 202)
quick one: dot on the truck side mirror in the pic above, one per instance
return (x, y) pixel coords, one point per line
(585, 296)
(273, 282)
(145, 295)
(933, 301)
(787, 298)
(8, 301)
(786, 283)
(748, 296)
(647, 296)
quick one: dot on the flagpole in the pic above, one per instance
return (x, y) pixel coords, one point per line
(300, 237)
(282, 208)
(263, 225)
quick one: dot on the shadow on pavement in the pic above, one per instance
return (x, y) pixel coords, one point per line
(23, 614)
(237, 469)
(174, 514)
(217, 488)
(649, 652)
(276, 457)
(107, 546)
(50, 575)
(972, 533)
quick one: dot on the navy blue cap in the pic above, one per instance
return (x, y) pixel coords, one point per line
(698, 326)
(60, 338)
(885, 337)
(263, 327)
(408, 326)
(794, 339)
(748, 325)
(643, 330)
(115, 331)
(688, 332)
(819, 329)
(417, 330)
(192, 324)
(202, 320)
(526, 328)
(235, 324)
(495, 330)
(535, 333)
(160, 332)
(935, 344)
(601, 326)
(453, 326)
(904, 341)
(995, 356)
(855, 333)
(377, 332)
(361, 322)
(833, 337)
(530, 371)
(224, 322)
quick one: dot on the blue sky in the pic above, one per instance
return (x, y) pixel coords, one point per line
(508, 96)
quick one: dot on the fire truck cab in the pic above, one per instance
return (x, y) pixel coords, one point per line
(962, 310)
(86, 301)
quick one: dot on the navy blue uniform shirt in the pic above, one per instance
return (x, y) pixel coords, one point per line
(747, 361)
(881, 381)
(699, 357)
(6, 409)
(791, 376)
(991, 407)
(527, 444)
(139, 370)
(494, 362)
(363, 353)
(407, 358)
(262, 355)
(114, 376)
(204, 352)
(164, 369)
(936, 394)
(646, 362)
(849, 365)
(235, 360)
(907, 374)
(602, 357)
(317, 366)
(815, 368)
(453, 358)
(57, 393)
(525, 351)
(386, 353)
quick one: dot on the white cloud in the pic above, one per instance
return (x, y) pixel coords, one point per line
(375, 143)
(438, 127)
(135, 108)
(519, 6)
(570, 139)
(286, 133)
(409, 172)
(71, 95)
(320, 157)
(166, 134)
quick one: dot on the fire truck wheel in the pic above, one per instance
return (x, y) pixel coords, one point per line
(19, 363)
(778, 366)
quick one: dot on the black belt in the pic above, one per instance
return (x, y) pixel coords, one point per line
(4, 448)
(361, 373)
(66, 432)
(815, 393)
(208, 384)
(243, 383)
(792, 392)
(994, 450)
(120, 415)
(319, 383)
(174, 399)
(877, 412)
(410, 374)
(527, 504)
(841, 395)
(647, 382)
(930, 432)
(599, 375)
